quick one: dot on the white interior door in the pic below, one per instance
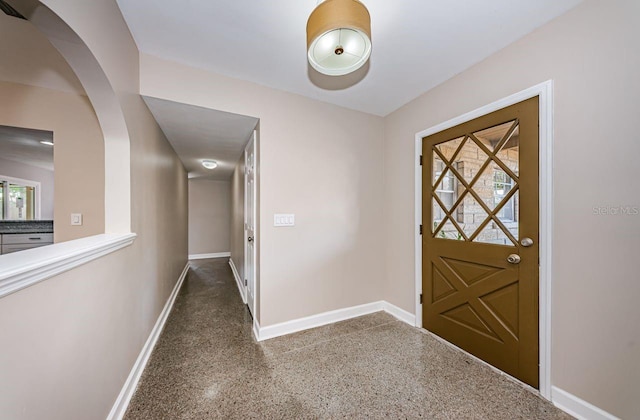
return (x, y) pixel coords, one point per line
(249, 224)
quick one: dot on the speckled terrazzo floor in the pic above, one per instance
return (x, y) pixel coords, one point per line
(207, 365)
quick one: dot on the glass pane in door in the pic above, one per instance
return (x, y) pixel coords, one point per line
(449, 148)
(469, 214)
(493, 233)
(449, 231)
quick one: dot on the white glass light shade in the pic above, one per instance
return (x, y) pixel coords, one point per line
(339, 37)
(210, 164)
(339, 51)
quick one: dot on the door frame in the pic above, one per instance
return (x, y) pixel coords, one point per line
(252, 143)
(545, 92)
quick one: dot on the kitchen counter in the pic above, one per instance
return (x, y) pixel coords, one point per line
(18, 235)
(8, 227)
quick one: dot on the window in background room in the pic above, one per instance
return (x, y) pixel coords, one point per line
(19, 199)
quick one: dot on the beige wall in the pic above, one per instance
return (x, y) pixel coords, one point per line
(28, 58)
(319, 161)
(70, 342)
(237, 217)
(78, 158)
(209, 216)
(591, 53)
(32, 173)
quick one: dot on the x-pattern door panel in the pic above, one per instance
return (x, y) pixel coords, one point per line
(480, 197)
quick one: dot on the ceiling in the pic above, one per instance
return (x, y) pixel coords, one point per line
(23, 145)
(416, 44)
(197, 133)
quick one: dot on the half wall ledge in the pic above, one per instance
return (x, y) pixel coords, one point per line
(26, 268)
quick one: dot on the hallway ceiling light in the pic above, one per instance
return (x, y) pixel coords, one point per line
(209, 164)
(339, 37)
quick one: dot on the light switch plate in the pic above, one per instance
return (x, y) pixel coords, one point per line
(76, 219)
(284, 220)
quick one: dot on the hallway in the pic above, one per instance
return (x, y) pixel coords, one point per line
(207, 365)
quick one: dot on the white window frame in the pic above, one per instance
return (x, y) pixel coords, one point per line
(25, 182)
(454, 187)
(510, 184)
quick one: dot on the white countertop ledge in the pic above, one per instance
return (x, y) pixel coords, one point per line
(26, 268)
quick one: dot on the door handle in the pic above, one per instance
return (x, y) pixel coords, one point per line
(526, 242)
(250, 239)
(513, 259)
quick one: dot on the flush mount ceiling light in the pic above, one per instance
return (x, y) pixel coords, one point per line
(47, 142)
(338, 37)
(209, 164)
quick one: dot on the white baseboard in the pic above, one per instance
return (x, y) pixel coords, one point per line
(399, 313)
(578, 407)
(129, 387)
(313, 321)
(256, 329)
(206, 256)
(239, 281)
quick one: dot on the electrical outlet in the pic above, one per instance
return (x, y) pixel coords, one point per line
(76, 219)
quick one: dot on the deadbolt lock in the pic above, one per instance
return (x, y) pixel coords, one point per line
(526, 242)
(513, 259)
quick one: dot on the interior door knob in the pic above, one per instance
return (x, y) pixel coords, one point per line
(526, 242)
(250, 239)
(513, 259)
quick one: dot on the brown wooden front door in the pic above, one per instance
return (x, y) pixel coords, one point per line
(480, 241)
